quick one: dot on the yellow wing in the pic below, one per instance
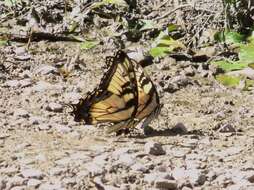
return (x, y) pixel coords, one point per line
(125, 96)
(116, 98)
(148, 99)
(148, 106)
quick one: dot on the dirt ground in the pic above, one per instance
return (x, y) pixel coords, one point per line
(203, 137)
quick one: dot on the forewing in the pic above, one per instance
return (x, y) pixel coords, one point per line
(115, 100)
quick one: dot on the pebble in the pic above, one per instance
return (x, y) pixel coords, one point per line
(33, 183)
(42, 86)
(139, 167)
(9, 170)
(55, 171)
(250, 178)
(26, 83)
(94, 169)
(44, 126)
(154, 148)
(12, 83)
(21, 113)
(55, 107)
(48, 186)
(189, 71)
(166, 184)
(32, 173)
(152, 177)
(2, 183)
(20, 50)
(23, 187)
(179, 128)
(15, 181)
(227, 128)
(62, 128)
(46, 69)
(195, 176)
(126, 160)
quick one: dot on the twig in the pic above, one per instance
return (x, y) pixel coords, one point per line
(38, 36)
(172, 11)
(161, 5)
(180, 7)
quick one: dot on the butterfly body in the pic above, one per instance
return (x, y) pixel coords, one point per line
(125, 96)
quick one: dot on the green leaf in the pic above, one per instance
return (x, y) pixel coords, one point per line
(164, 44)
(251, 38)
(248, 84)
(172, 27)
(229, 37)
(159, 51)
(246, 54)
(89, 44)
(233, 37)
(230, 66)
(3, 42)
(229, 81)
(147, 25)
(10, 3)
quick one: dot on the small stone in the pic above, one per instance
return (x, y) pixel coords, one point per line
(80, 156)
(25, 83)
(179, 128)
(179, 173)
(62, 128)
(26, 74)
(33, 183)
(196, 177)
(165, 184)
(154, 148)
(190, 143)
(21, 113)
(20, 50)
(55, 107)
(41, 157)
(69, 181)
(12, 83)
(63, 161)
(139, 167)
(118, 152)
(152, 177)
(44, 126)
(227, 128)
(23, 187)
(46, 69)
(36, 120)
(9, 170)
(82, 174)
(15, 181)
(189, 71)
(2, 183)
(32, 173)
(94, 169)
(126, 160)
(56, 171)
(179, 153)
(250, 178)
(47, 186)
(186, 188)
(42, 86)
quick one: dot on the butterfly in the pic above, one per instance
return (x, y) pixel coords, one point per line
(125, 97)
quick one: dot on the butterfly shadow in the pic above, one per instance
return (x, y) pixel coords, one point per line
(166, 132)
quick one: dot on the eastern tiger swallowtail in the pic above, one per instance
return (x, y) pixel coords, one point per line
(125, 97)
